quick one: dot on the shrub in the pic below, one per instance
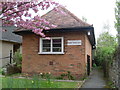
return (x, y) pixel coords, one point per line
(45, 75)
(16, 66)
(66, 76)
(13, 69)
(17, 59)
(94, 65)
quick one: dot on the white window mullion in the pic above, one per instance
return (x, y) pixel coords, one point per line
(40, 44)
(51, 45)
(62, 42)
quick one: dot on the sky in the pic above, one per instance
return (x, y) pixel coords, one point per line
(97, 12)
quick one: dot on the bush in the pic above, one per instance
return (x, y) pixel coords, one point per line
(94, 65)
(66, 76)
(16, 66)
(45, 75)
(17, 59)
(13, 69)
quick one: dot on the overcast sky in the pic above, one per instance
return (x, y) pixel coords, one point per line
(97, 12)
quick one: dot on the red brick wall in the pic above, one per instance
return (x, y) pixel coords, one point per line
(73, 60)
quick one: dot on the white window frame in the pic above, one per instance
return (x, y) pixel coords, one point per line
(40, 46)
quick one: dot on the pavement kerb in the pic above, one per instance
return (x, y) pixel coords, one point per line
(84, 81)
(81, 84)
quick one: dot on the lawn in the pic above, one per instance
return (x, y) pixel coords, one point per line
(9, 82)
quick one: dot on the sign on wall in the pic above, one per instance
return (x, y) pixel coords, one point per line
(74, 42)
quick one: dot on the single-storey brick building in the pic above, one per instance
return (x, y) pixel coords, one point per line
(70, 47)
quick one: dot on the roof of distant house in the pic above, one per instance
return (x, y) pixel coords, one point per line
(7, 35)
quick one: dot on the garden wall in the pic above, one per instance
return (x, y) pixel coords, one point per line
(114, 71)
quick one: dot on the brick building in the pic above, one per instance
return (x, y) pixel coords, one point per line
(70, 47)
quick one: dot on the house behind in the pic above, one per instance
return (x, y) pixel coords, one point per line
(8, 42)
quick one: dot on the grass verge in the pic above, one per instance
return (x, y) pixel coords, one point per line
(35, 82)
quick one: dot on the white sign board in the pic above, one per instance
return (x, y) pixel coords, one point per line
(74, 42)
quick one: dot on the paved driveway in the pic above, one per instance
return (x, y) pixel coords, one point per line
(95, 80)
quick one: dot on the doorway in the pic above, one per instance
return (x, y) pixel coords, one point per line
(88, 65)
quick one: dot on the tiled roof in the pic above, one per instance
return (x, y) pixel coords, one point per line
(7, 35)
(67, 20)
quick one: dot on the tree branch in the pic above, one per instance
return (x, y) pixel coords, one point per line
(17, 7)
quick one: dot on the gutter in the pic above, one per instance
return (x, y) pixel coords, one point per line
(86, 29)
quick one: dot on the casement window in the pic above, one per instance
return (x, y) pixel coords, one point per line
(52, 46)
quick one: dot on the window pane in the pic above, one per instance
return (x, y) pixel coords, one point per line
(46, 46)
(57, 41)
(46, 50)
(56, 45)
(46, 41)
(56, 49)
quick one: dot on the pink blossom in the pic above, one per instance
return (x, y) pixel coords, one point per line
(35, 9)
(37, 17)
(32, 27)
(47, 38)
(13, 15)
(56, 9)
(40, 30)
(40, 3)
(28, 5)
(29, 15)
(41, 34)
(53, 26)
(37, 23)
(46, 22)
(26, 14)
(35, 30)
(47, 28)
(8, 18)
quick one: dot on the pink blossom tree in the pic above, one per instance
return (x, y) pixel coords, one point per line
(18, 13)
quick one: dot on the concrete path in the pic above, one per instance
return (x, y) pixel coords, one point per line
(95, 80)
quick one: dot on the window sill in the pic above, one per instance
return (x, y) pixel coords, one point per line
(61, 53)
